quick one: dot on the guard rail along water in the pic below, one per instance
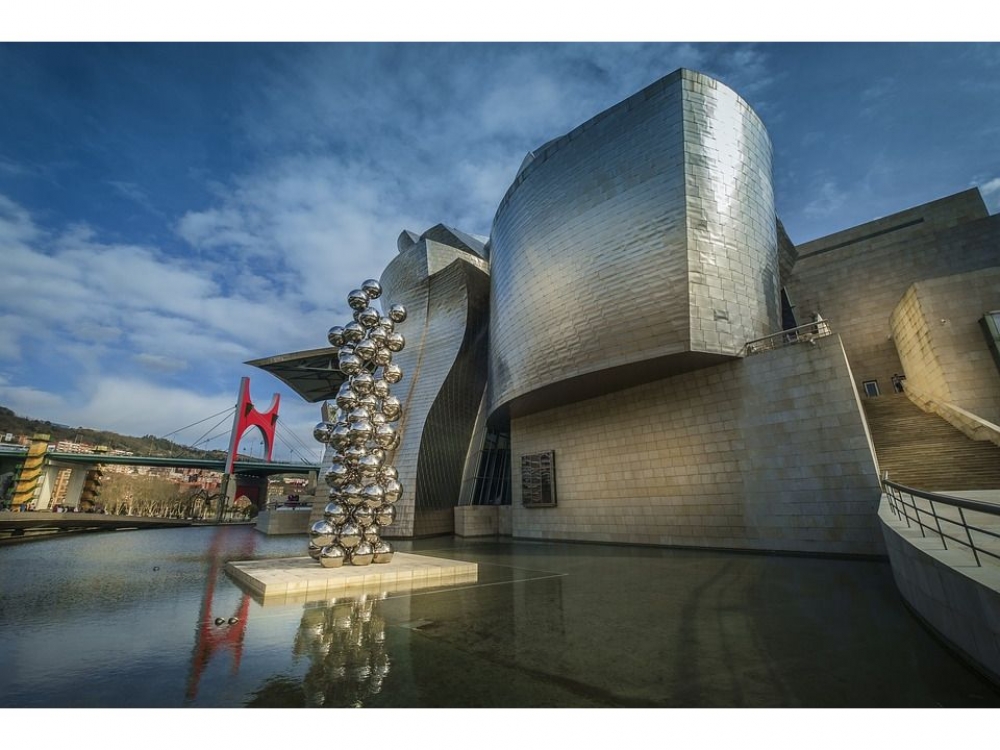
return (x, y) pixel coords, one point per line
(803, 334)
(946, 518)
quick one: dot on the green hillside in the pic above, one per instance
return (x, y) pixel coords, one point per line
(142, 446)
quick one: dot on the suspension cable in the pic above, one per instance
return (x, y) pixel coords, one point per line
(229, 410)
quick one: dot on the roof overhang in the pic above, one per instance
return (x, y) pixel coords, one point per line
(312, 374)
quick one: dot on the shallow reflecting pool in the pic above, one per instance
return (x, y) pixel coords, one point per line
(150, 619)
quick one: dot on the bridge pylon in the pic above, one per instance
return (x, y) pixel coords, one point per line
(245, 418)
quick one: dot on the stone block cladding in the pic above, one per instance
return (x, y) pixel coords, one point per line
(645, 233)
(941, 345)
(944, 237)
(767, 453)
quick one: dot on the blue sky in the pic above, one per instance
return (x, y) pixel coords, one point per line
(170, 210)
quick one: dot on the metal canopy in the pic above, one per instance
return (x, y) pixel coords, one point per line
(312, 374)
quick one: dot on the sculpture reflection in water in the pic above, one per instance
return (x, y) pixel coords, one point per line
(345, 641)
(364, 485)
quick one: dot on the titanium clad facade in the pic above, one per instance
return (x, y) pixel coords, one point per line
(644, 237)
(445, 289)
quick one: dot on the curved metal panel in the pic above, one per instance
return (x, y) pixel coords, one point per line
(644, 238)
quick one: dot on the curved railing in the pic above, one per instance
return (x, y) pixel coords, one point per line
(946, 518)
(799, 335)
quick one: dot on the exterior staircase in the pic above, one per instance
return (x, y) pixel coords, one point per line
(923, 451)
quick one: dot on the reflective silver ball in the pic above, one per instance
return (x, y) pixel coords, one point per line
(371, 534)
(385, 434)
(379, 335)
(335, 336)
(341, 436)
(385, 515)
(387, 323)
(381, 387)
(369, 464)
(391, 408)
(321, 533)
(368, 317)
(350, 535)
(347, 397)
(314, 551)
(392, 373)
(335, 513)
(361, 431)
(337, 474)
(374, 495)
(397, 313)
(387, 473)
(350, 364)
(383, 553)
(382, 356)
(363, 383)
(354, 332)
(393, 490)
(353, 494)
(332, 556)
(357, 299)
(364, 516)
(362, 554)
(395, 342)
(372, 288)
(323, 431)
(366, 349)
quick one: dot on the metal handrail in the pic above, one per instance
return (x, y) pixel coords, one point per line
(901, 509)
(798, 335)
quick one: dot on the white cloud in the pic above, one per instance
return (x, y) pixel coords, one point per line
(829, 199)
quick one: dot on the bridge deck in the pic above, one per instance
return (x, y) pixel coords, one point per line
(18, 525)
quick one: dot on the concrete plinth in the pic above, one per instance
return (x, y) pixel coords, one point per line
(278, 522)
(301, 578)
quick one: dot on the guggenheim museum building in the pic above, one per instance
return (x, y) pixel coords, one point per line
(639, 354)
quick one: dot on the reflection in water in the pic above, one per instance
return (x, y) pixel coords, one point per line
(216, 632)
(345, 641)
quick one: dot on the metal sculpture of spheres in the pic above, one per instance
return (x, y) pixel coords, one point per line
(364, 485)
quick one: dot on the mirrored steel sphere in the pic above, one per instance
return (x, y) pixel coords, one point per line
(364, 516)
(363, 554)
(385, 515)
(384, 434)
(353, 453)
(369, 464)
(357, 299)
(323, 431)
(370, 402)
(397, 313)
(354, 332)
(393, 489)
(392, 373)
(372, 288)
(368, 317)
(381, 387)
(361, 431)
(379, 453)
(395, 342)
(379, 335)
(337, 474)
(366, 349)
(350, 364)
(350, 535)
(374, 495)
(363, 383)
(378, 418)
(335, 513)
(387, 323)
(382, 356)
(332, 556)
(387, 473)
(391, 408)
(335, 336)
(371, 534)
(321, 533)
(347, 397)
(314, 551)
(353, 493)
(341, 436)
(383, 552)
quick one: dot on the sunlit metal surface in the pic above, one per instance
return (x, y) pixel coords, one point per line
(646, 234)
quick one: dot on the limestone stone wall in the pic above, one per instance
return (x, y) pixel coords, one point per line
(770, 452)
(941, 345)
(855, 278)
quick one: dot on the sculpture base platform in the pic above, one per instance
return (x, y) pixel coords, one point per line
(287, 579)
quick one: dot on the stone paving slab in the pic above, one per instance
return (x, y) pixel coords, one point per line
(286, 579)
